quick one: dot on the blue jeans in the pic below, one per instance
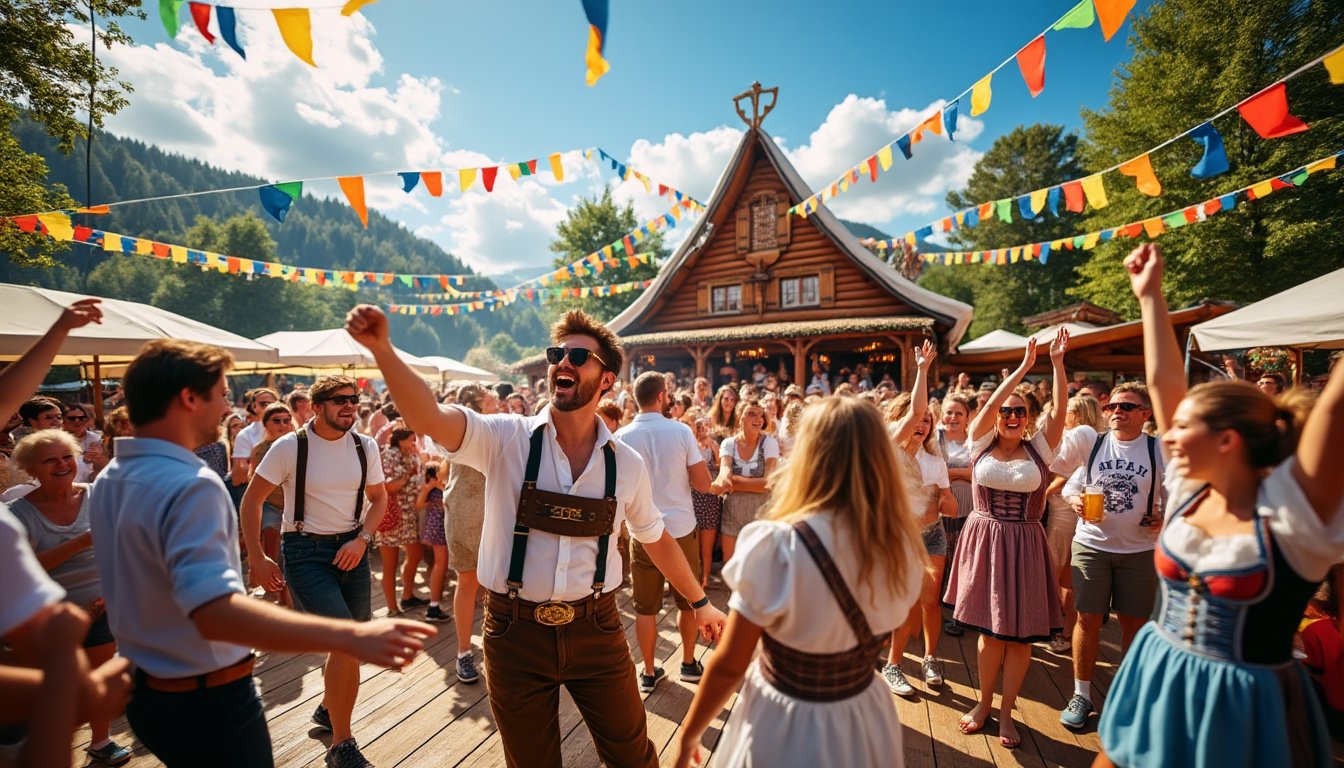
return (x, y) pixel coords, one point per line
(318, 586)
(223, 727)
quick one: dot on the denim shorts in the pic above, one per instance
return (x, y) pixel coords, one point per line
(317, 585)
(935, 539)
(271, 518)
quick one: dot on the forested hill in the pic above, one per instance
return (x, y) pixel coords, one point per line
(317, 232)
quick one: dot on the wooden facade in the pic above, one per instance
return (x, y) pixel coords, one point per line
(752, 283)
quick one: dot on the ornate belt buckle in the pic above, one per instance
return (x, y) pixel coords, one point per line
(554, 614)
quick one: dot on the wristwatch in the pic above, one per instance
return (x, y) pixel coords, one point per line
(701, 603)
(366, 536)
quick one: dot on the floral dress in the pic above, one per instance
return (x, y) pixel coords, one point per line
(401, 504)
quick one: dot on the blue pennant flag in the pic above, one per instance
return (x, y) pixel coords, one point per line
(228, 28)
(275, 201)
(1024, 207)
(409, 180)
(1052, 199)
(950, 119)
(904, 144)
(1045, 253)
(1214, 160)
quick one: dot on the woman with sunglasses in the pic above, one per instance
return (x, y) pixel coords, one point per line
(277, 421)
(1252, 525)
(77, 418)
(1001, 583)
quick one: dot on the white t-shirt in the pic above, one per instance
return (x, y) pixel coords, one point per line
(669, 449)
(331, 483)
(767, 448)
(1122, 469)
(249, 437)
(1074, 449)
(932, 469)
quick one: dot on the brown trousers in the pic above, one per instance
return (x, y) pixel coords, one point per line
(525, 665)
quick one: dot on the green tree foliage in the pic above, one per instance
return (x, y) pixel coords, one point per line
(1193, 58)
(1028, 158)
(46, 66)
(589, 226)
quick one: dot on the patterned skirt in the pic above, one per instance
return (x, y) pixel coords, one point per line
(708, 510)
(432, 532)
(405, 531)
(1002, 581)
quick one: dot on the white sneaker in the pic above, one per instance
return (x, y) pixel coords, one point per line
(896, 681)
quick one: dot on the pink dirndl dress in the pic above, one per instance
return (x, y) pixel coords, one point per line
(1001, 582)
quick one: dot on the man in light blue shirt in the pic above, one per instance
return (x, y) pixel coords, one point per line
(168, 558)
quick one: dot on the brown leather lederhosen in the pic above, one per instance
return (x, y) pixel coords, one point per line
(823, 676)
(563, 515)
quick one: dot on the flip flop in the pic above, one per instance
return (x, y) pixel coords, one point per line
(968, 726)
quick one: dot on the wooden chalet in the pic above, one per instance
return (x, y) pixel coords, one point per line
(753, 284)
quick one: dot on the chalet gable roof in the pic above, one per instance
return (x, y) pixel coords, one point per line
(950, 314)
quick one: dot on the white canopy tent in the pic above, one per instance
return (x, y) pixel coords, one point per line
(330, 351)
(996, 339)
(455, 369)
(1307, 316)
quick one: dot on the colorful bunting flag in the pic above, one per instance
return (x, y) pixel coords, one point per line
(1141, 168)
(433, 182)
(1081, 17)
(1112, 14)
(597, 12)
(950, 119)
(557, 168)
(1267, 112)
(1334, 65)
(1073, 197)
(353, 6)
(1031, 60)
(296, 28)
(228, 26)
(981, 94)
(1095, 191)
(200, 13)
(1214, 160)
(168, 12)
(465, 177)
(353, 187)
(277, 198)
(488, 177)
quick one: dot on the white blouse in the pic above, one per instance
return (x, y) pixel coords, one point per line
(1019, 475)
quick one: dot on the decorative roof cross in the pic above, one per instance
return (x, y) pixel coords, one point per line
(757, 112)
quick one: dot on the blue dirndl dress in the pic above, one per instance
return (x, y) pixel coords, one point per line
(1211, 681)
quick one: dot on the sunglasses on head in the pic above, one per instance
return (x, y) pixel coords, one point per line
(1126, 407)
(1013, 410)
(577, 355)
(342, 400)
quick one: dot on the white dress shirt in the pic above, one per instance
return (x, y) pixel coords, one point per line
(669, 450)
(557, 567)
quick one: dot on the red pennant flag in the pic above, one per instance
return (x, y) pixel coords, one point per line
(1073, 196)
(947, 224)
(233, 265)
(872, 167)
(662, 190)
(1277, 184)
(1031, 60)
(25, 223)
(1213, 206)
(1132, 230)
(433, 182)
(200, 13)
(488, 176)
(1191, 214)
(159, 249)
(532, 167)
(1267, 112)
(82, 234)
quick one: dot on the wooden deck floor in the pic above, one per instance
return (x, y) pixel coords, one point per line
(425, 717)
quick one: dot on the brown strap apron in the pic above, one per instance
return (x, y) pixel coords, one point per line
(823, 676)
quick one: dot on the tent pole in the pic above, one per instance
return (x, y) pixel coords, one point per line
(1189, 345)
(97, 392)
(1297, 366)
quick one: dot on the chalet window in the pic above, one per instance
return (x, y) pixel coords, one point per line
(764, 223)
(804, 291)
(726, 299)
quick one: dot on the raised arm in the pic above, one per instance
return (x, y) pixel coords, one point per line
(984, 418)
(1163, 364)
(21, 379)
(1054, 420)
(1318, 450)
(919, 397)
(368, 325)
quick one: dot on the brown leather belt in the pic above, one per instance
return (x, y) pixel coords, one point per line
(229, 674)
(342, 537)
(553, 613)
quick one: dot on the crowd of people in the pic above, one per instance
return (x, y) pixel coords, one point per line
(146, 564)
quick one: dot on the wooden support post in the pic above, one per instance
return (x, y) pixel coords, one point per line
(907, 364)
(97, 394)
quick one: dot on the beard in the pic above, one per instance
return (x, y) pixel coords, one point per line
(581, 394)
(334, 422)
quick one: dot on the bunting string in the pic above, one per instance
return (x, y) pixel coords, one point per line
(1266, 111)
(455, 296)
(506, 298)
(1153, 227)
(626, 173)
(1030, 60)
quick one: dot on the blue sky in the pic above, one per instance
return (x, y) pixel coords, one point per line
(421, 84)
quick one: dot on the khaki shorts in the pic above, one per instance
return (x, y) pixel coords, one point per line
(648, 581)
(1106, 581)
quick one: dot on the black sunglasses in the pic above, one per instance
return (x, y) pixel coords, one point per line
(577, 355)
(1126, 407)
(1013, 410)
(341, 399)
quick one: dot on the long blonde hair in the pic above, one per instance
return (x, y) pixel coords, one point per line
(843, 462)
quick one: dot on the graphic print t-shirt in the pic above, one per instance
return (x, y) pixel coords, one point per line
(1123, 471)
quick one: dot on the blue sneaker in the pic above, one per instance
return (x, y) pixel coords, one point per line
(1075, 712)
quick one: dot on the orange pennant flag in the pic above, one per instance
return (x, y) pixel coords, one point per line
(353, 187)
(296, 27)
(1141, 168)
(433, 182)
(1112, 14)
(1154, 227)
(556, 167)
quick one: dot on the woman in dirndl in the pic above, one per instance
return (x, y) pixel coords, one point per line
(1002, 582)
(1252, 525)
(746, 460)
(834, 568)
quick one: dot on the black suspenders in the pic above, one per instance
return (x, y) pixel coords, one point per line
(301, 477)
(521, 530)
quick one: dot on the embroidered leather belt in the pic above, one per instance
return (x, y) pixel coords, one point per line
(229, 674)
(552, 613)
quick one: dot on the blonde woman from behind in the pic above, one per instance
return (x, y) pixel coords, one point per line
(839, 533)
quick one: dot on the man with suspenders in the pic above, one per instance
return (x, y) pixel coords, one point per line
(1113, 558)
(557, 488)
(327, 471)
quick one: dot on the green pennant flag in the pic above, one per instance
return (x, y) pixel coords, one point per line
(524, 170)
(168, 14)
(292, 188)
(1081, 17)
(1004, 208)
(1175, 220)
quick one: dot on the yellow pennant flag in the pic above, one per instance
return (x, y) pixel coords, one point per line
(645, 181)
(1263, 189)
(884, 157)
(296, 27)
(1038, 200)
(58, 225)
(178, 253)
(465, 178)
(514, 170)
(352, 7)
(1095, 191)
(981, 93)
(144, 247)
(557, 168)
(1091, 240)
(1334, 64)
(1323, 165)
